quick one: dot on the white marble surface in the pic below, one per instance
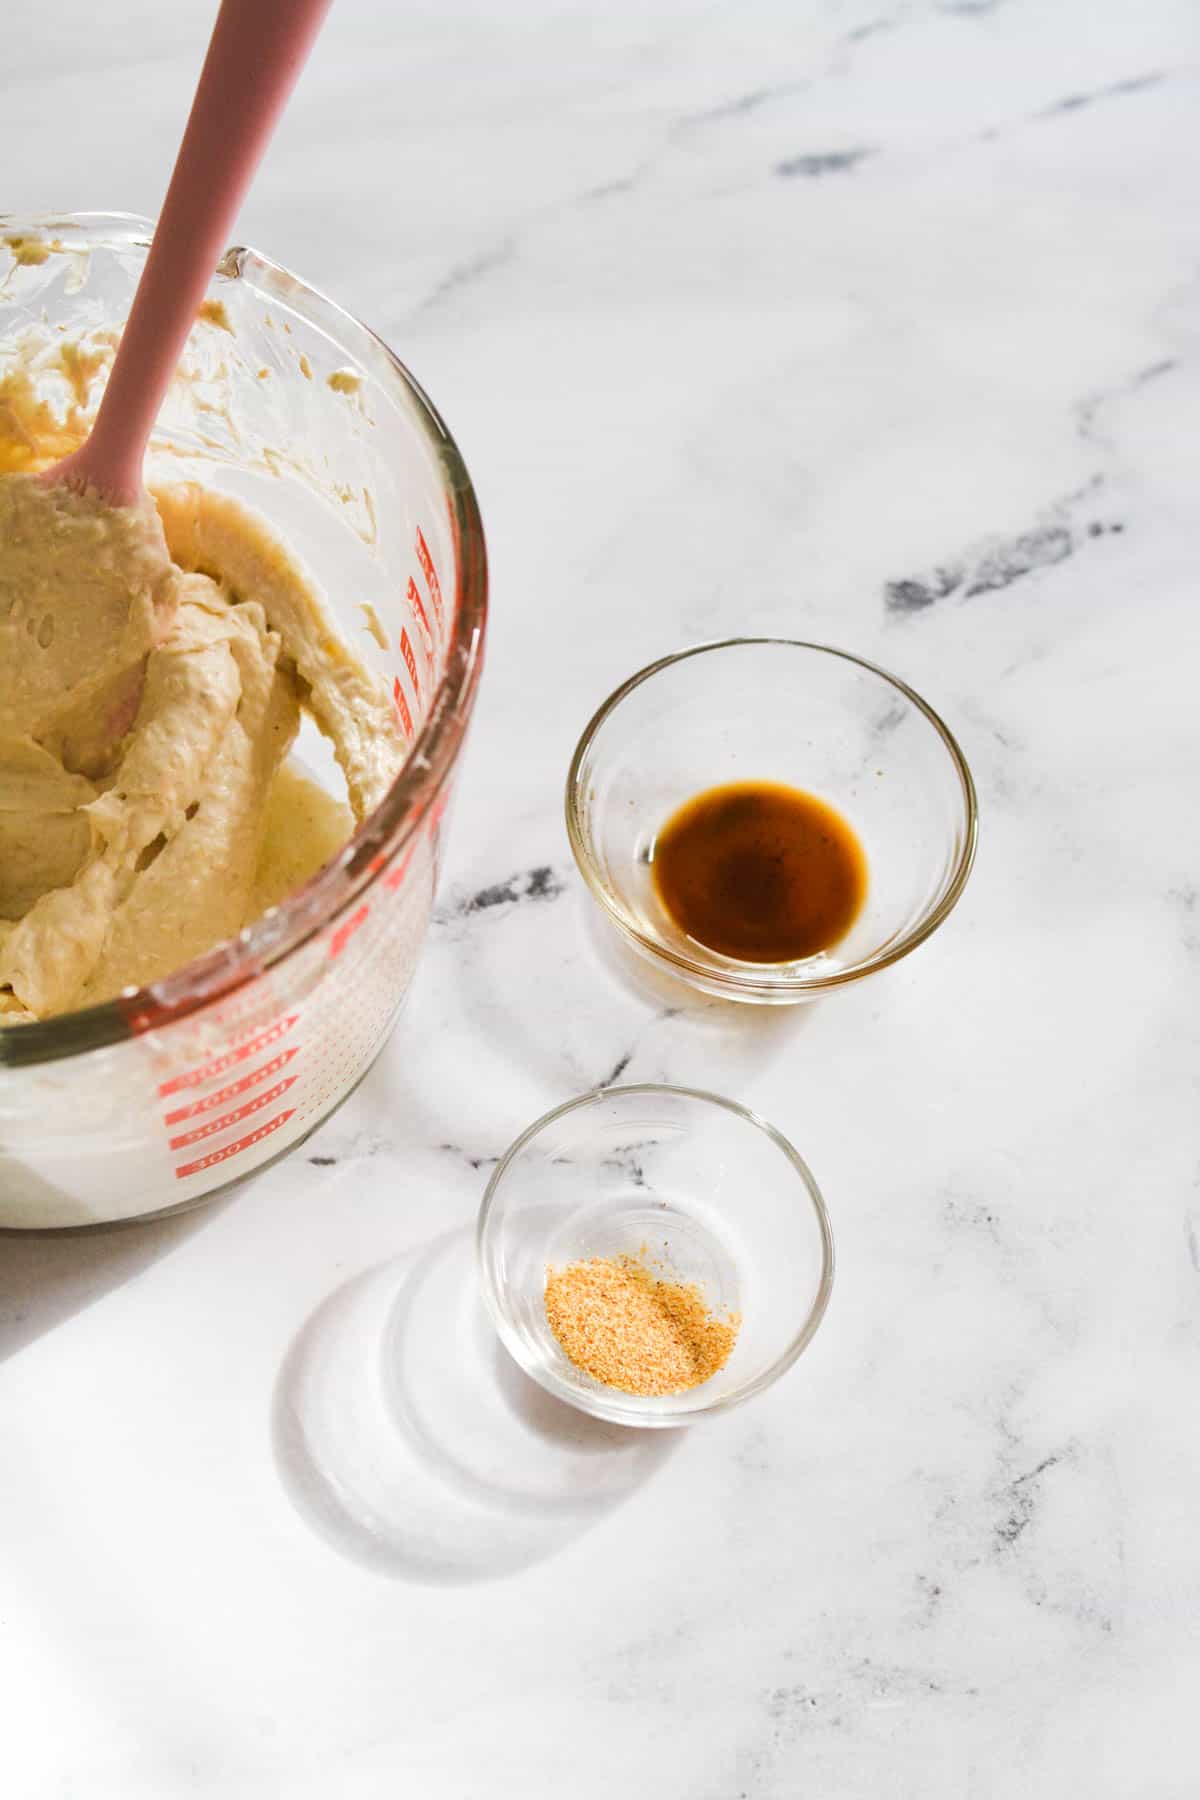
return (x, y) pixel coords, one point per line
(752, 316)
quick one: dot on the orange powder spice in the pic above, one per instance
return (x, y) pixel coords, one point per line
(631, 1330)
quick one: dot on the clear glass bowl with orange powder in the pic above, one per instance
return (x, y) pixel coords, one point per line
(651, 1254)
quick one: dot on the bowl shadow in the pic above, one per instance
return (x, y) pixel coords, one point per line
(47, 1276)
(406, 1437)
(755, 1022)
(619, 1017)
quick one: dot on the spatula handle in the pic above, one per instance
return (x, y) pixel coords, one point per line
(257, 50)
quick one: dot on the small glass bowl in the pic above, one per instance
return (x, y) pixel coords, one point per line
(771, 709)
(708, 1191)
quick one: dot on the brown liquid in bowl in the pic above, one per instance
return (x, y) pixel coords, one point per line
(760, 871)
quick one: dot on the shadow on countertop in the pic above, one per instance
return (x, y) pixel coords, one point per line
(406, 1437)
(47, 1277)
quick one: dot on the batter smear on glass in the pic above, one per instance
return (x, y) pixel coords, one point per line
(148, 706)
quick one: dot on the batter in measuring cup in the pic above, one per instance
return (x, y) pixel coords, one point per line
(147, 808)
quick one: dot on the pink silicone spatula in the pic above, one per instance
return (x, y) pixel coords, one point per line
(257, 50)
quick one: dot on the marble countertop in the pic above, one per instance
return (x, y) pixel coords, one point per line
(872, 323)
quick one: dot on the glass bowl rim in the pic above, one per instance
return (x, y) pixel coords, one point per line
(432, 752)
(618, 1411)
(736, 983)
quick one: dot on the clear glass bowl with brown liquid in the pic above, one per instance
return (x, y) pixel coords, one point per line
(852, 779)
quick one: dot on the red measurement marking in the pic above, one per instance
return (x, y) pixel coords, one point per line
(234, 1118)
(219, 1064)
(415, 601)
(394, 878)
(435, 586)
(223, 1155)
(347, 929)
(410, 661)
(225, 1094)
(402, 707)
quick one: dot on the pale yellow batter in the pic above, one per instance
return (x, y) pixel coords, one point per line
(147, 810)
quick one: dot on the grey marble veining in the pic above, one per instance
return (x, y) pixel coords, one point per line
(869, 323)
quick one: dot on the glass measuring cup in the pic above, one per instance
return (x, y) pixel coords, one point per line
(170, 1092)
